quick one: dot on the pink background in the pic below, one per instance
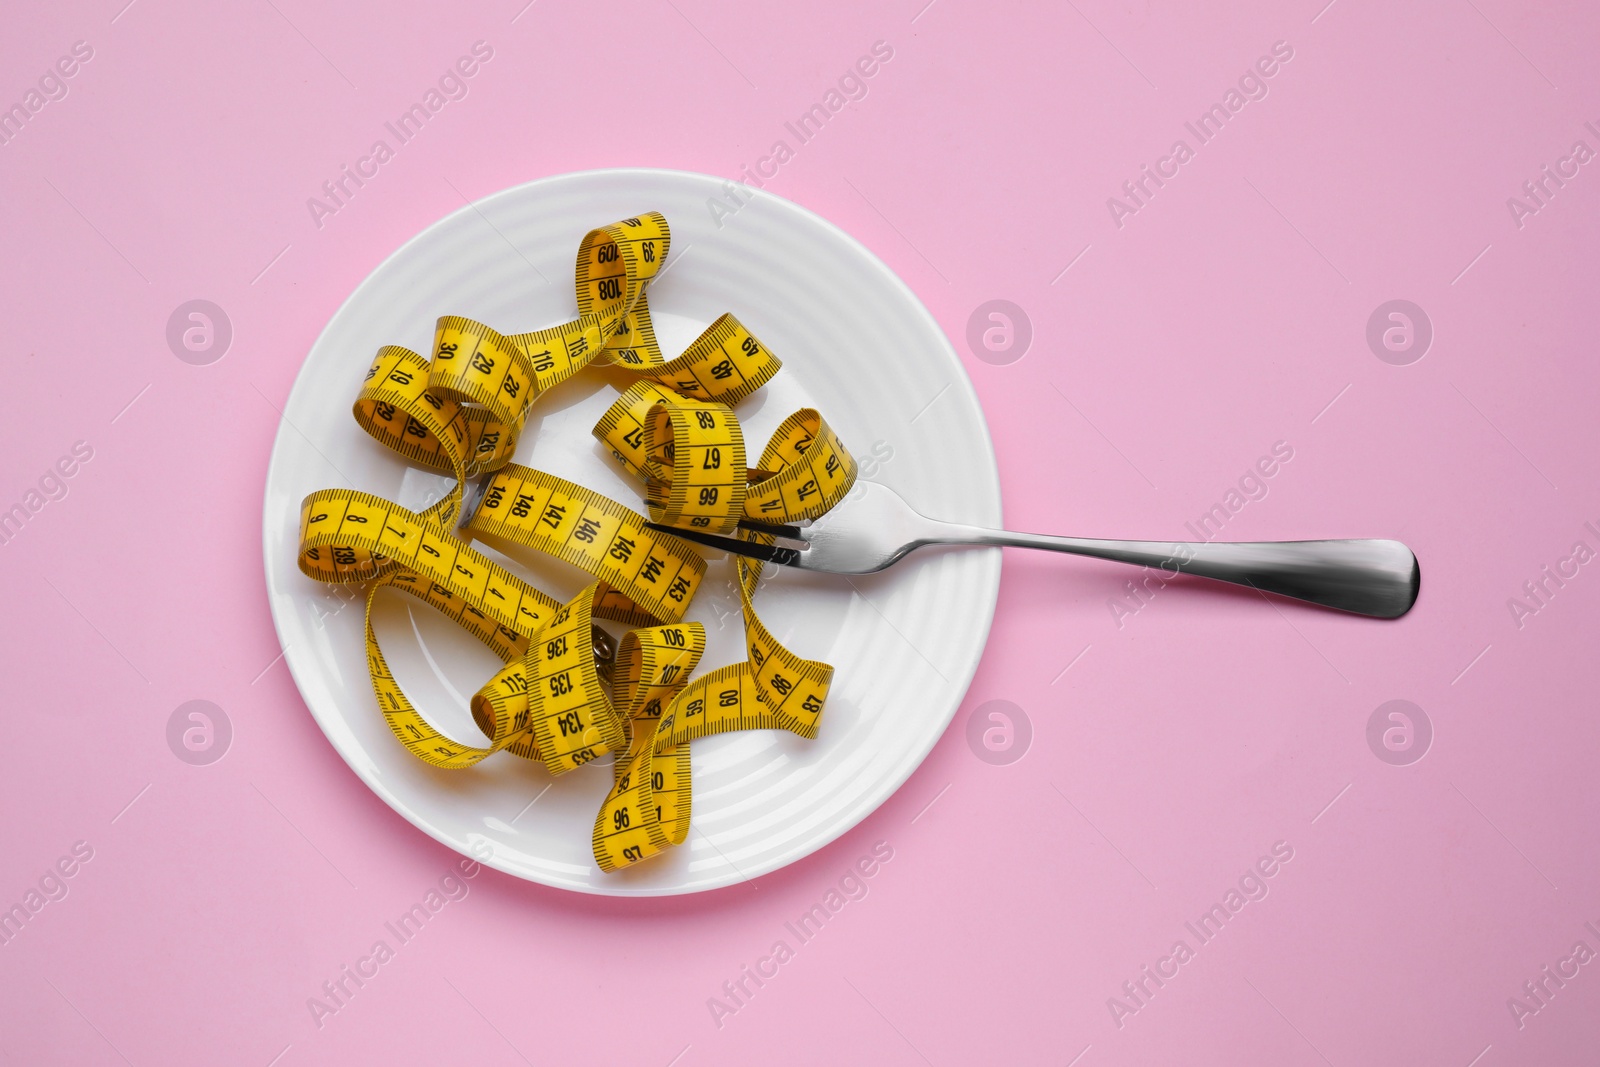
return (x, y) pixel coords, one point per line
(1167, 755)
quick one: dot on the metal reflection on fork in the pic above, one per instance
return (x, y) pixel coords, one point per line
(868, 533)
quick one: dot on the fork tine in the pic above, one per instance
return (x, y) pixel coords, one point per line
(793, 533)
(754, 549)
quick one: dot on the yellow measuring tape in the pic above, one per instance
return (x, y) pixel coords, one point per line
(567, 693)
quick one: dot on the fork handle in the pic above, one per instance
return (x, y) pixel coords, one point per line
(1367, 577)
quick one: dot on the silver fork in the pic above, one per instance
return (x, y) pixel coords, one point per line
(877, 529)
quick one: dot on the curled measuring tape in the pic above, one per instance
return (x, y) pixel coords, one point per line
(692, 456)
(567, 694)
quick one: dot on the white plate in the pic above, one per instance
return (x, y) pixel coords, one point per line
(855, 344)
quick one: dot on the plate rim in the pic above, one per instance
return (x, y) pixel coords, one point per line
(968, 668)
